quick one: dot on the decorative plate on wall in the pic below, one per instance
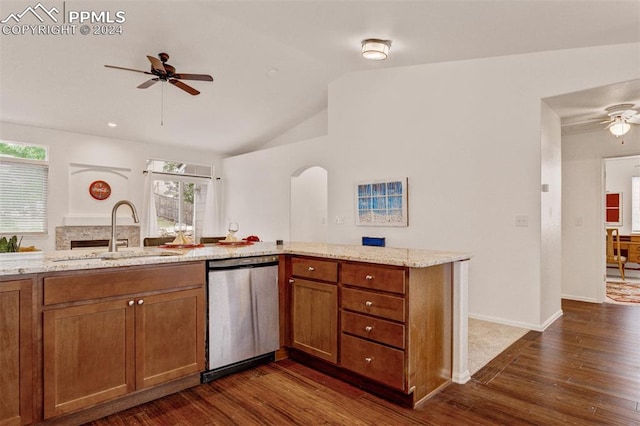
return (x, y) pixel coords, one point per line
(100, 190)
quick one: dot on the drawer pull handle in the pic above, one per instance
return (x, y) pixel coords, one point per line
(311, 269)
(130, 303)
(368, 328)
(140, 302)
(368, 277)
(368, 360)
(291, 281)
(368, 303)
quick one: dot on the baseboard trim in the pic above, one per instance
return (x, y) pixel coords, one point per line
(528, 326)
(550, 320)
(580, 298)
(461, 378)
(502, 321)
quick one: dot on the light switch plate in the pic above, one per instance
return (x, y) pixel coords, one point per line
(522, 221)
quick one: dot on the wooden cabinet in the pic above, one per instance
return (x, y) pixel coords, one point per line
(314, 307)
(108, 334)
(15, 352)
(373, 308)
(394, 329)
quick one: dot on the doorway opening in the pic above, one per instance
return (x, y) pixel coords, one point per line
(622, 212)
(308, 208)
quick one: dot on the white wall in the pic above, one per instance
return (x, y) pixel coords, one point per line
(313, 127)
(257, 186)
(66, 148)
(468, 136)
(550, 215)
(582, 207)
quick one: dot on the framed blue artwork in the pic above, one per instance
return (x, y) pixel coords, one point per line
(382, 202)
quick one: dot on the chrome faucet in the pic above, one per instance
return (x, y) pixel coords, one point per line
(113, 243)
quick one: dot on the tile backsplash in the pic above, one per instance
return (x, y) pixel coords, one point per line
(66, 234)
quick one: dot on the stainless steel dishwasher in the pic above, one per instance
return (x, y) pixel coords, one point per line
(243, 325)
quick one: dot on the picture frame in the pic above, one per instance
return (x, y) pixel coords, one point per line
(382, 202)
(613, 208)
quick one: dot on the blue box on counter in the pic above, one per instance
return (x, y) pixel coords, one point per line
(373, 241)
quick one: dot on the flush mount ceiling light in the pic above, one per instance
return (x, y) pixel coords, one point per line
(375, 49)
(619, 127)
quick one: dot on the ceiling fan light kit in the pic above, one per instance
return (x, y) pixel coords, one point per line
(375, 49)
(619, 127)
(620, 117)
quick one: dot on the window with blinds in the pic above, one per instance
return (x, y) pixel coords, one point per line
(24, 185)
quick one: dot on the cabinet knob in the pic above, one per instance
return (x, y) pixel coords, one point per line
(368, 277)
(140, 302)
(311, 269)
(368, 303)
(368, 328)
(368, 360)
(291, 281)
(130, 303)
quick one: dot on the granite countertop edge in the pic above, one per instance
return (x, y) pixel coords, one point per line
(71, 260)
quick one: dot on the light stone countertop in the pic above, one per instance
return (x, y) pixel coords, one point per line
(68, 260)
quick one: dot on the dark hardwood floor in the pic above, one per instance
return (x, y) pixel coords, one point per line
(583, 370)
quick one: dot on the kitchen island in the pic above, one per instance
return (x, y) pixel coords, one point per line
(40, 283)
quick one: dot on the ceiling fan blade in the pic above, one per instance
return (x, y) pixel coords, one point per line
(200, 77)
(634, 120)
(156, 64)
(148, 83)
(184, 86)
(127, 69)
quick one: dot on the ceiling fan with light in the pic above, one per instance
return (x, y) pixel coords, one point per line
(617, 119)
(162, 71)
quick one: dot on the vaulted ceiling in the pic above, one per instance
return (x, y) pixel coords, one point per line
(271, 61)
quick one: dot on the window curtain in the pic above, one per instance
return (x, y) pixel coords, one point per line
(210, 221)
(150, 217)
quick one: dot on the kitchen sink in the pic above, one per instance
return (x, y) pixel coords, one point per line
(108, 255)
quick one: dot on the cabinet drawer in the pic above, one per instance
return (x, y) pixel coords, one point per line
(375, 277)
(380, 330)
(121, 282)
(324, 270)
(382, 305)
(378, 362)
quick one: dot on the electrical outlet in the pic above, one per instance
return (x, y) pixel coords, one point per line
(522, 221)
(340, 220)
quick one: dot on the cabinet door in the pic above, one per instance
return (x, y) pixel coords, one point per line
(88, 355)
(314, 318)
(15, 353)
(169, 336)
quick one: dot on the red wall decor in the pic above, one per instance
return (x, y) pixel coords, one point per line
(100, 190)
(614, 208)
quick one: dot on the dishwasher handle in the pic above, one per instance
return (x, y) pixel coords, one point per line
(242, 262)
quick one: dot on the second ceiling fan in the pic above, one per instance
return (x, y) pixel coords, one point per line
(165, 72)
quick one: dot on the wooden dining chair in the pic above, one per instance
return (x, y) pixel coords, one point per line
(613, 250)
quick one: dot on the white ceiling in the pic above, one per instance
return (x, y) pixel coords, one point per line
(60, 82)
